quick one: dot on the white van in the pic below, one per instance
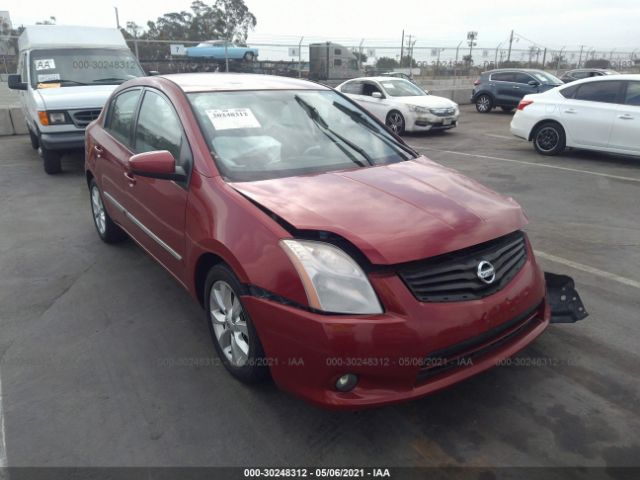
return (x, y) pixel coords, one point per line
(66, 74)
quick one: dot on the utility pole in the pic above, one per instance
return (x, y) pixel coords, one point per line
(495, 62)
(544, 57)
(402, 48)
(226, 55)
(360, 54)
(408, 52)
(580, 57)
(300, 57)
(117, 18)
(510, 43)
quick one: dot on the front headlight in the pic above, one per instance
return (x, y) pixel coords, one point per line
(333, 281)
(52, 118)
(418, 109)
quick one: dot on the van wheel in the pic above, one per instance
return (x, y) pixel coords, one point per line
(484, 103)
(549, 138)
(51, 159)
(35, 143)
(232, 331)
(109, 232)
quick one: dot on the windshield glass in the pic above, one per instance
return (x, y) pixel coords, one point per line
(401, 88)
(82, 66)
(545, 77)
(255, 135)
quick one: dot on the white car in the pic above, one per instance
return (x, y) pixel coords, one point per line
(597, 113)
(401, 105)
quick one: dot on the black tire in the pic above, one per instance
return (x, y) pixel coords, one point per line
(51, 160)
(35, 143)
(507, 109)
(549, 138)
(109, 232)
(484, 103)
(249, 56)
(255, 368)
(395, 121)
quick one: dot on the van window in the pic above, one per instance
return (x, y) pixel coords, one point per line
(158, 126)
(70, 67)
(120, 115)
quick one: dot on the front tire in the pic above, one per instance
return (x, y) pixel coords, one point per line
(249, 56)
(35, 143)
(51, 159)
(108, 231)
(484, 103)
(232, 331)
(395, 121)
(549, 139)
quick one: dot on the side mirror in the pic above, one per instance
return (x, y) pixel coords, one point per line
(156, 164)
(533, 83)
(376, 95)
(153, 73)
(14, 82)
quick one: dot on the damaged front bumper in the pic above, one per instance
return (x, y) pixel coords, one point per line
(564, 301)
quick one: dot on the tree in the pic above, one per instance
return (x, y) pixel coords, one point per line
(386, 63)
(48, 21)
(360, 57)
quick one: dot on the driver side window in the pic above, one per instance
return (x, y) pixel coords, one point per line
(158, 127)
(369, 88)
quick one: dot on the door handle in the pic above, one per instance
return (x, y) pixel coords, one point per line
(129, 176)
(626, 116)
(99, 150)
(570, 110)
(515, 86)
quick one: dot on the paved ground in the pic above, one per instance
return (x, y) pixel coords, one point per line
(93, 338)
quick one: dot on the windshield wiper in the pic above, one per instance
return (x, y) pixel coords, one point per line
(358, 118)
(313, 114)
(62, 80)
(110, 79)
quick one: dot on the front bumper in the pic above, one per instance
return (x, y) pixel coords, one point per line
(424, 122)
(63, 140)
(307, 352)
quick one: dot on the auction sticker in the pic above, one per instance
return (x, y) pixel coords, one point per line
(47, 77)
(45, 64)
(229, 118)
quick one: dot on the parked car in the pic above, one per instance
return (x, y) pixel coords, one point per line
(599, 113)
(322, 248)
(504, 88)
(65, 74)
(221, 49)
(580, 73)
(402, 105)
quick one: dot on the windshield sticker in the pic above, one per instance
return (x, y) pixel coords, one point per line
(388, 85)
(230, 118)
(45, 64)
(47, 77)
(49, 85)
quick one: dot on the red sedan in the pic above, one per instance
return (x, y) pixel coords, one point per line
(323, 249)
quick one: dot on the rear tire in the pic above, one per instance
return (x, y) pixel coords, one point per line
(232, 332)
(108, 231)
(51, 160)
(549, 138)
(484, 103)
(507, 109)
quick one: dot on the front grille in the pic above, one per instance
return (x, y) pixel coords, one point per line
(443, 112)
(453, 276)
(463, 354)
(82, 118)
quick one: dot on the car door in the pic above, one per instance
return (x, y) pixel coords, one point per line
(523, 86)
(588, 115)
(111, 149)
(626, 123)
(157, 206)
(502, 85)
(379, 107)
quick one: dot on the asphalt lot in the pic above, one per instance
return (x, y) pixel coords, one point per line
(97, 342)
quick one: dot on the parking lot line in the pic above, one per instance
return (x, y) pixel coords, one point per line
(3, 446)
(535, 164)
(586, 268)
(504, 137)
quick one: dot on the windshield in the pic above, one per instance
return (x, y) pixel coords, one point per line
(255, 135)
(401, 88)
(82, 66)
(544, 77)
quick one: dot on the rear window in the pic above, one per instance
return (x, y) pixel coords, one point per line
(569, 92)
(354, 88)
(604, 92)
(503, 77)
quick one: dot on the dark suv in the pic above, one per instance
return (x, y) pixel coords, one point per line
(581, 73)
(505, 88)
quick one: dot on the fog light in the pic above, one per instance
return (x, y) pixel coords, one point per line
(346, 382)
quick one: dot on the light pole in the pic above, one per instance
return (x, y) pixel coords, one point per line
(495, 63)
(559, 58)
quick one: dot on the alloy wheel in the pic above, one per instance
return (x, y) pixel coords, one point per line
(547, 139)
(484, 103)
(229, 324)
(395, 122)
(97, 208)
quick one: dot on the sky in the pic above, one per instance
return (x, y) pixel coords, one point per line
(593, 23)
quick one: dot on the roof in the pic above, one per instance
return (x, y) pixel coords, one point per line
(608, 78)
(204, 82)
(515, 69)
(385, 78)
(62, 36)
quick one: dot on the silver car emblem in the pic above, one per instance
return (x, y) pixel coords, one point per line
(486, 272)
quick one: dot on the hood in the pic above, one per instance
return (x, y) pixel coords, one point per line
(429, 101)
(66, 98)
(393, 213)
